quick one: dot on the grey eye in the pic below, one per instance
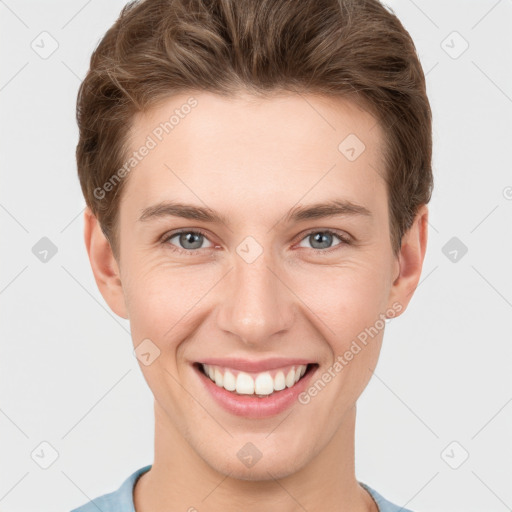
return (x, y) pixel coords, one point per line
(189, 240)
(322, 239)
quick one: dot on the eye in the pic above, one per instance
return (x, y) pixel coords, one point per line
(189, 241)
(322, 239)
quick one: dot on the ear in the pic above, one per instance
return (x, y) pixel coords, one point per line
(104, 265)
(410, 260)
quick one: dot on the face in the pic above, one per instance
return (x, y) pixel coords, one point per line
(275, 282)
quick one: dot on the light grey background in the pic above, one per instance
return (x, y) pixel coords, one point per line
(68, 374)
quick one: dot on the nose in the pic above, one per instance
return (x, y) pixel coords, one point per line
(256, 302)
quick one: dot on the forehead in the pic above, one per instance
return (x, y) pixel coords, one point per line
(255, 151)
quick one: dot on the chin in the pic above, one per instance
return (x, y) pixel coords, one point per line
(274, 465)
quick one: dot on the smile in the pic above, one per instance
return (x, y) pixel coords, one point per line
(260, 384)
(254, 389)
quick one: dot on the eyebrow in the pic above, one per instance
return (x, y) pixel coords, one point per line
(332, 208)
(336, 207)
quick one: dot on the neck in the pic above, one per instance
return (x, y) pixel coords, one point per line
(180, 479)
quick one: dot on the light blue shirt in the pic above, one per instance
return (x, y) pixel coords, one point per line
(122, 499)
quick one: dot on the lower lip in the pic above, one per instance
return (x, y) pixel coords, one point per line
(251, 406)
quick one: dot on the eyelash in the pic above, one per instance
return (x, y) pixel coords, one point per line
(344, 240)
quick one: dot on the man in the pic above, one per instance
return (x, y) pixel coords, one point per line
(257, 176)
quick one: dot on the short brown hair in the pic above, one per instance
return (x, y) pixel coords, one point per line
(343, 48)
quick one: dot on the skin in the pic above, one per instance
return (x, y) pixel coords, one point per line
(253, 160)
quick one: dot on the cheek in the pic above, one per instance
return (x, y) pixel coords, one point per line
(347, 297)
(163, 300)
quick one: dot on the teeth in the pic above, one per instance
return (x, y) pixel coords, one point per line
(290, 378)
(279, 381)
(244, 384)
(229, 381)
(219, 378)
(263, 384)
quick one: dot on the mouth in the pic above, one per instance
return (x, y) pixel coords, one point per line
(260, 384)
(244, 392)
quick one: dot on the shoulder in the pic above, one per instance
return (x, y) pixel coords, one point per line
(383, 504)
(120, 500)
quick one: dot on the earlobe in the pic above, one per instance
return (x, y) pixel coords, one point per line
(104, 265)
(410, 259)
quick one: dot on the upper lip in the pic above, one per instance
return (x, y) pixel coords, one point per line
(248, 365)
